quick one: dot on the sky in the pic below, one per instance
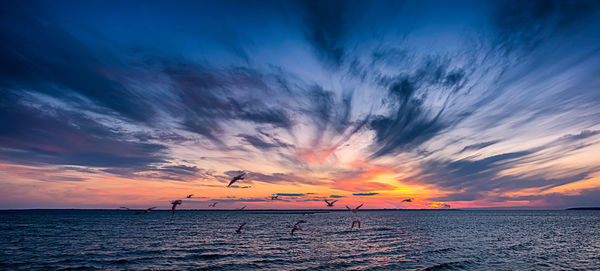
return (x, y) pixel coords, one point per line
(450, 104)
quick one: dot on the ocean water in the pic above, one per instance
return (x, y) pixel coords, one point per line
(388, 240)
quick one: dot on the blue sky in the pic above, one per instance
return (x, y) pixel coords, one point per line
(468, 103)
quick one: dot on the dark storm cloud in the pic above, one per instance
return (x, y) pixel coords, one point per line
(210, 96)
(325, 28)
(38, 54)
(365, 194)
(478, 146)
(411, 123)
(469, 173)
(54, 136)
(291, 194)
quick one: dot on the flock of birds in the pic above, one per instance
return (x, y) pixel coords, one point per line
(295, 227)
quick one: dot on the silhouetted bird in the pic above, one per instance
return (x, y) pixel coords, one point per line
(239, 230)
(145, 211)
(295, 228)
(274, 197)
(174, 204)
(213, 204)
(407, 200)
(236, 178)
(355, 209)
(242, 208)
(300, 222)
(189, 196)
(355, 222)
(330, 204)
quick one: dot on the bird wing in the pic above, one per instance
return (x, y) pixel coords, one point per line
(348, 208)
(357, 207)
(241, 226)
(300, 221)
(333, 202)
(327, 202)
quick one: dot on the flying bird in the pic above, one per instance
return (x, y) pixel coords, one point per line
(237, 178)
(354, 223)
(295, 228)
(355, 209)
(407, 200)
(300, 222)
(145, 211)
(242, 208)
(330, 204)
(239, 230)
(175, 203)
(189, 196)
(213, 204)
(274, 197)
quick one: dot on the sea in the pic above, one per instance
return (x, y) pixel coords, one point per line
(387, 240)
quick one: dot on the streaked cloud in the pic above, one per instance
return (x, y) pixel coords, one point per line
(452, 104)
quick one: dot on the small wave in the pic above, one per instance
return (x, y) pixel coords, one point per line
(381, 229)
(205, 256)
(81, 267)
(440, 250)
(121, 261)
(449, 266)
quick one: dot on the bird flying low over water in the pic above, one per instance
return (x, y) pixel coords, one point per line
(213, 204)
(174, 204)
(407, 200)
(242, 208)
(274, 197)
(236, 178)
(330, 204)
(300, 222)
(145, 211)
(189, 196)
(239, 230)
(354, 223)
(296, 227)
(355, 209)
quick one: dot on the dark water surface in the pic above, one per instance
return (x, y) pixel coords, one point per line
(388, 240)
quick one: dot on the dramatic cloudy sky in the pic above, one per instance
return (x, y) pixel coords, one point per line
(462, 104)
